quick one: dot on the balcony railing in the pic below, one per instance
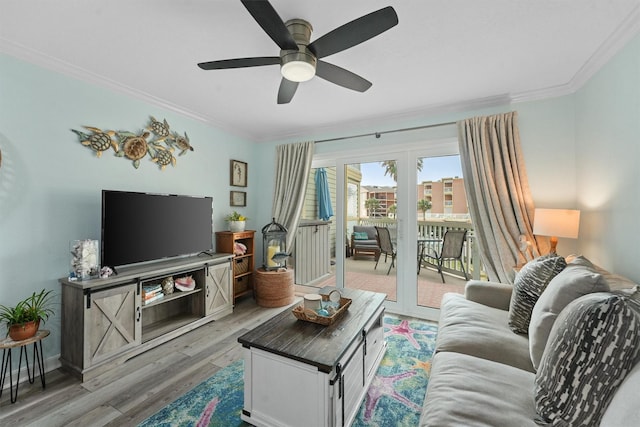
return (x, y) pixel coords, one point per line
(435, 230)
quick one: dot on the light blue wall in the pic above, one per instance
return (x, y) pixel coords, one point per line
(607, 159)
(50, 185)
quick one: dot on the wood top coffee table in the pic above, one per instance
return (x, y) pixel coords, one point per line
(302, 373)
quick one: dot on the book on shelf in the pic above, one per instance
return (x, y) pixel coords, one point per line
(151, 290)
(153, 295)
(153, 298)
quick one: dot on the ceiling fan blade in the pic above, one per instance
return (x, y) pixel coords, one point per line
(354, 32)
(341, 77)
(239, 63)
(267, 17)
(286, 91)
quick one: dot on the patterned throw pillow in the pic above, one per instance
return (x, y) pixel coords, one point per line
(360, 235)
(530, 281)
(576, 280)
(594, 344)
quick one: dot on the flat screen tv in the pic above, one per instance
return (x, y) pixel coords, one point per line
(144, 227)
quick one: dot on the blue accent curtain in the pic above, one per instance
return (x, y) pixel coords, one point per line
(325, 211)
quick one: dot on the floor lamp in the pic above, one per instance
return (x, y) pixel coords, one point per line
(556, 223)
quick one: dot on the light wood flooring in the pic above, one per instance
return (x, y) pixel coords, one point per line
(138, 388)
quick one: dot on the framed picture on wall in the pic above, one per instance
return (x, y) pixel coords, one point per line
(238, 173)
(238, 198)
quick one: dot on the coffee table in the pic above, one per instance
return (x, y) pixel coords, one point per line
(300, 373)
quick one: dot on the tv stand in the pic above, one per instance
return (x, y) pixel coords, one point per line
(105, 321)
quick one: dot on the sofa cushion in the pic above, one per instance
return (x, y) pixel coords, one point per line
(370, 230)
(593, 344)
(623, 410)
(478, 330)
(469, 391)
(529, 283)
(360, 235)
(616, 282)
(365, 243)
(575, 280)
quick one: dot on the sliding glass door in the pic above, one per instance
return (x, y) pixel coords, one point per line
(389, 189)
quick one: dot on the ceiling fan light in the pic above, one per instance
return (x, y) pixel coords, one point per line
(298, 71)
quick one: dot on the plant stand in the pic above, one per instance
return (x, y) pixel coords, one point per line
(6, 345)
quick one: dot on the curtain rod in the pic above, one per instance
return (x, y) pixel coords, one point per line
(377, 134)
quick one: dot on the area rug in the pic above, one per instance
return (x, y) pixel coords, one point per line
(394, 398)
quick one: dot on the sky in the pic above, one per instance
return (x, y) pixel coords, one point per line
(433, 169)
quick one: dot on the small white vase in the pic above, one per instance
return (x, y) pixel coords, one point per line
(236, 226)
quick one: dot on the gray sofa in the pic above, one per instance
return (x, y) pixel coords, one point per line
(484, 374)
(368, 246)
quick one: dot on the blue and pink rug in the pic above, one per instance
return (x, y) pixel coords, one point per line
(394, 399)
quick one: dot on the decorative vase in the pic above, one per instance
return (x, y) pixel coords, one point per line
(85, 259)
(236, 226)
(22, 331)
(167, 285)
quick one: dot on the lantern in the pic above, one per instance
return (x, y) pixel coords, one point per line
(274, 246)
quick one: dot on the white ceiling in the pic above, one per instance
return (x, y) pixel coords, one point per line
(442, 56)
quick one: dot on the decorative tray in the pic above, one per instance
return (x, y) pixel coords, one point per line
(311, 316)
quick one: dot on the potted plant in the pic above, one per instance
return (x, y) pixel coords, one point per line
(23, 320)
(236, 221)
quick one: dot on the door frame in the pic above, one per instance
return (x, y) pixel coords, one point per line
(405, 154)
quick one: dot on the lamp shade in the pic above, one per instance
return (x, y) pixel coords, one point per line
(556, 222)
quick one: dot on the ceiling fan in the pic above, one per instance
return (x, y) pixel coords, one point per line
(299, 59)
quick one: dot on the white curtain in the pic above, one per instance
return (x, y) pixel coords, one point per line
(293, 164)
(498, 192)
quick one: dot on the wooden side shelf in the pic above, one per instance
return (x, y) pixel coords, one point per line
(243, 265)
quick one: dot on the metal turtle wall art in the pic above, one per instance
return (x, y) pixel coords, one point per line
(159, 129)
(134, 146)
(162, 156)
(97, 140)
(156, 139)
(180, 142)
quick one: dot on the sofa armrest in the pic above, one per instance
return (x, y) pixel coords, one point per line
(492, 294)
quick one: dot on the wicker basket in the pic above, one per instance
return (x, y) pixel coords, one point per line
(240, 265)
(322, 320)
(240, 284)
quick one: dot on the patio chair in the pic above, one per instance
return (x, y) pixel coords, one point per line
(386, 247)
(451, 249)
